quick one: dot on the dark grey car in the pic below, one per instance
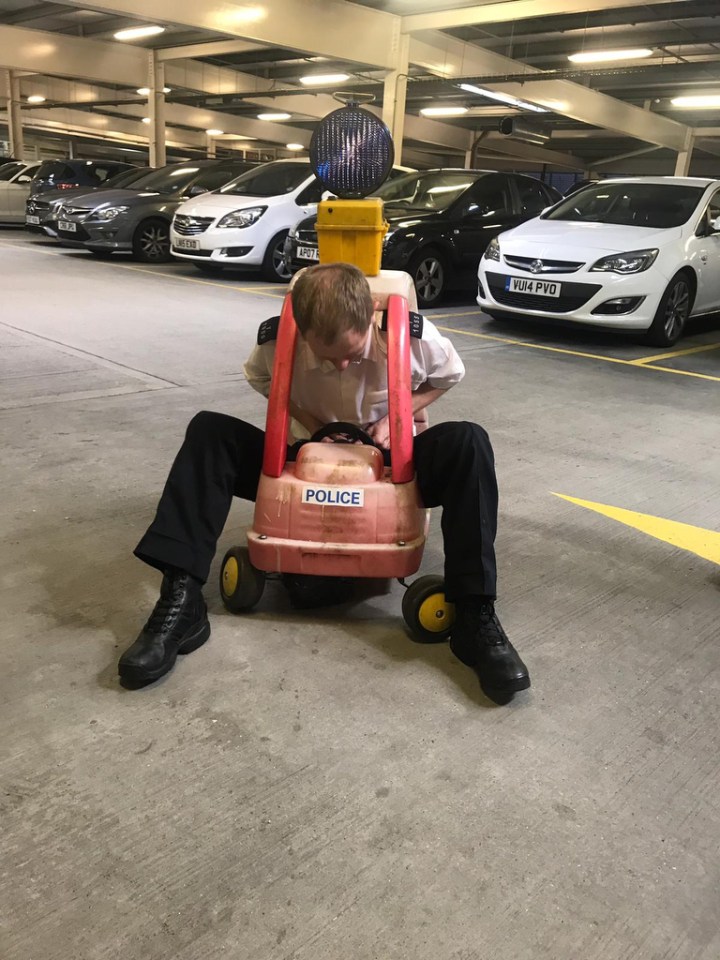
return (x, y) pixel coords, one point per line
(138, 220)
(40, 208)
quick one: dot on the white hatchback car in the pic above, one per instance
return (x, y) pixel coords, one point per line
(244, 224)
(635, 254)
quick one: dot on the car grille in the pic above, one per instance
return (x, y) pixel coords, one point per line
(572, 297)
(63, 212)
(548, 266)
(191, 226)
(307, 238)
(37, 207)
(192, 253)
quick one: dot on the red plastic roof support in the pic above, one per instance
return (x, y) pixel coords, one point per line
(400, 390)
(278, 414)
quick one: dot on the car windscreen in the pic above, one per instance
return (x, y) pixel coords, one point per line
(435, 191)
(168, 179)
(8, 170)
(124, 179)
(54, 168)
(270, 180)
(656, 205)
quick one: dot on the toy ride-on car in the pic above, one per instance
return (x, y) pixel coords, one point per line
(338, 510)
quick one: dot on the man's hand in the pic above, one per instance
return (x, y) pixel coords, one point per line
(380, 432)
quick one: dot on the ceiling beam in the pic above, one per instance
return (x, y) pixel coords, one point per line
(455, 60)
(527, 151)
(504, 12)
(332, 28)
(113, 63)
(218, 48)
(98, 125)
(200, 119)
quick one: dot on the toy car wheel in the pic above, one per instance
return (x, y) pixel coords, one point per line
(241, 584)
(426, 612)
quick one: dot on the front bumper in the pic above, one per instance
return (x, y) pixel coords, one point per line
(240, 247)
(582, 294)
(96, 235)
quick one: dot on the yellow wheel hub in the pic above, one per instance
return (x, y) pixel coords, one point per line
(230, 576)
(435, 613)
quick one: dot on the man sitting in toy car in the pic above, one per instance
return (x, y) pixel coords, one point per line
(340, 374)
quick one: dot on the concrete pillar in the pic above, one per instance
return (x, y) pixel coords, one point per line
(12, 88)
(682, 163)
(156, 103)
(394, 94)
(211, 147)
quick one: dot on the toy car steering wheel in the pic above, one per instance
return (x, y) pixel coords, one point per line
(349, 430)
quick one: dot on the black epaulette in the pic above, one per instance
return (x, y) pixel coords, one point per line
(416, 324)
(268, 330)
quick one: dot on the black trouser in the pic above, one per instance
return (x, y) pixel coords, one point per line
(221, 458)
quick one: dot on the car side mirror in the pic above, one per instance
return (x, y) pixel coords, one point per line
(197, 190)
(327, 195)
(714, 225)
(24, 179)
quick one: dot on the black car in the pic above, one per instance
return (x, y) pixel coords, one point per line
(40, 208)
(66, 174)
(440, 224)
(137, 220)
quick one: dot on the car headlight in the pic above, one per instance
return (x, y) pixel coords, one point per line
(242, 218)
(493, 250)
(635, 261)
(109, 213)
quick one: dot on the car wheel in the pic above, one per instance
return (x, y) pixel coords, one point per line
(429, 274)
(672, 313)
(213, 269)
(274, 267)
(151, 242)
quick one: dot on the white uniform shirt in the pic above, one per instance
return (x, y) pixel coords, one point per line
(358, 394)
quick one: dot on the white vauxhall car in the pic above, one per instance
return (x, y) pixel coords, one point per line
(244, 224)
(633, 254)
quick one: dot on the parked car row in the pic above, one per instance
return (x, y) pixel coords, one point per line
(638, 254)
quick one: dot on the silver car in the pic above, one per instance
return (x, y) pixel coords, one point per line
(138, 220)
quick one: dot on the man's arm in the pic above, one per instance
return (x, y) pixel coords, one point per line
(421, 398)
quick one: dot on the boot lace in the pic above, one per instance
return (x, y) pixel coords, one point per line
(162, 614)
(484, 623)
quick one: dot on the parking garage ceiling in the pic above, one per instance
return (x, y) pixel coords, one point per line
(228, 62)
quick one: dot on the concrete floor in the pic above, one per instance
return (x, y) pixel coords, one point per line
(317, 787)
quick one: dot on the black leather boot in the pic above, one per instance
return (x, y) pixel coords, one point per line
(178, 624)
(479, 641)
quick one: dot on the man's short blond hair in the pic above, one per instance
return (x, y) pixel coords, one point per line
(331, 299)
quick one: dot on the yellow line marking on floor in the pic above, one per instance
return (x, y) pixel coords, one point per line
(676, 353)
(703, 543)
(576, 353)
(443, 316)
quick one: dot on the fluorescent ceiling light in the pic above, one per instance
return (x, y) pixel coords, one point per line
(273, 116)
(295, 146)
(36, 98)
(319, 79)
(135, 33)
(700, 101)
(608, 56)
(146, 120)
(502, 98)
(212, 132)
(443, 111)
(145, 91)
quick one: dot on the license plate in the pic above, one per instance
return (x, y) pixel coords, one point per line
(308, 253)
(187, 244)
(67, 226)
(33, 221)
(539, 288)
